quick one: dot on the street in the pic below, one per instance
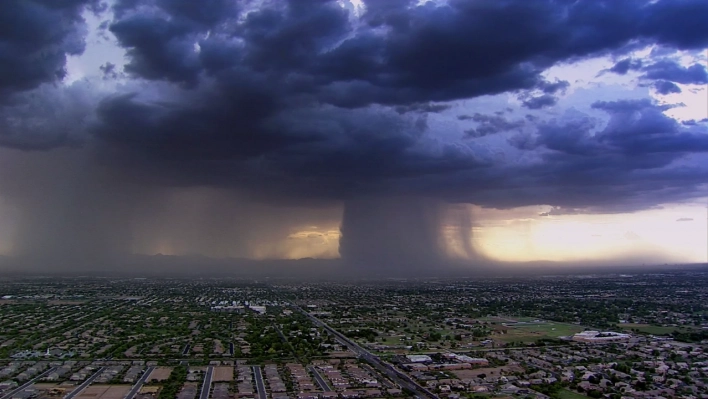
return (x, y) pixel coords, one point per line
(320, 381)
(27, 384)
(395, 375)
(260, 385)
(136, 388)
(84, 384)
(206, 385)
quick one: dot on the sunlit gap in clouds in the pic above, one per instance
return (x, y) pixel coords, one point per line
(674, 234)
(185, 225)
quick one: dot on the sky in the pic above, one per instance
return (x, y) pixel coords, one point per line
(391, 134)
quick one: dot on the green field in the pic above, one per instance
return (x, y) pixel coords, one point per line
(530, 332)
(649, 329)
(566, 394)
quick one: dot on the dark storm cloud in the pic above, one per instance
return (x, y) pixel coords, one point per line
(422, 108)
(159, 49)
(316, 46)
(665, 87)
(286, 53)
(301, 101)
(673, 72)
(693, 122)
(639, 127)
(664, 73)
(543, 95)
(36, 36)
(47, 117)
(613, 165)
(626, 65)
(539, 102)
(490, 124)
(554, 87)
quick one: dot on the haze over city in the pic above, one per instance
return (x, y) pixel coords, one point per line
(373, 135)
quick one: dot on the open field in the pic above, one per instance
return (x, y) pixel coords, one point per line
(649, 329)
(532, 331)
(104, 392)
(51, 389)
(223, 374)
(498, 319)
(152, 390)
(160, 374)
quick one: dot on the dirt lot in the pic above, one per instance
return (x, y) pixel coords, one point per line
(160, 374)
(150, 390)
(47, 390)
(223, 374)
(104, 392)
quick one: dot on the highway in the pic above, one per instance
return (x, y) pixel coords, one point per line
(260, 385)
(84, 384)
(136, 388)
(320, 381)
(397, 376)
(371, 371)
(27, 384)
(206, 385)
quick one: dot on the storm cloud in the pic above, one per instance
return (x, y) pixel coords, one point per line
(312, 105)
(36, 37)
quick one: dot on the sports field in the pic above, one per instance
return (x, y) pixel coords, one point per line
(529, 331)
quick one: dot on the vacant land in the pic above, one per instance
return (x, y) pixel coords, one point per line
(45, 390)
(150, 390)
(104, 392)
(223, 374)
(532, 331)
(160, 374)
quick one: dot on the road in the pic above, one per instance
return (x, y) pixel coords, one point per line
(384, 381)
(260, 385)
(84, 384)
(320, 381)
(285, 339)
(206, 385)
(397, 376)
(136, 388)
(27, 384)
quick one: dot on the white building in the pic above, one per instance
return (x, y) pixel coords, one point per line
(600, 337)
(419, 358)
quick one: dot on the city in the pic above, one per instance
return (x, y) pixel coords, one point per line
(634, 336)
(353, 199)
